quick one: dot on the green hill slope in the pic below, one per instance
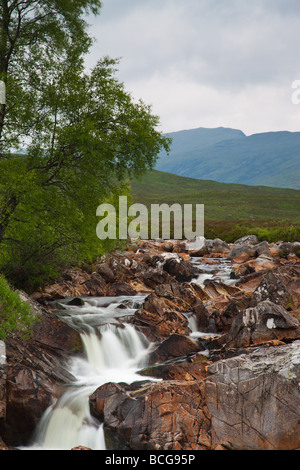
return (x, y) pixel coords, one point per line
(229, 208)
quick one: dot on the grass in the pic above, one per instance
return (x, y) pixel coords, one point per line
(231, 210)
(15, 315)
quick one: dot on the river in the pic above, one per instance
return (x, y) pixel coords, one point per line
(114, 351)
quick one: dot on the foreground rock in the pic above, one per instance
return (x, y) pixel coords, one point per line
(248, 402)
(253, 400)
(165, 416)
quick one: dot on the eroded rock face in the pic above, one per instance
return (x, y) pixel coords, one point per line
(254, 400)
(170, 415)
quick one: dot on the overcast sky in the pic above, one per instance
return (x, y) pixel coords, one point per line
(206, 63)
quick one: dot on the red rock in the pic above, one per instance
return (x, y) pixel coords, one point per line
(81, 448)
(169, 415)
(174, 346)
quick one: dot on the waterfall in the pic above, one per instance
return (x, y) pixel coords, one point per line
(112, 353)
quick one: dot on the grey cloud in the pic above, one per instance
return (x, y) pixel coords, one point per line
(232, 49)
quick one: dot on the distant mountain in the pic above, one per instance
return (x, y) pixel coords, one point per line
(229, 156)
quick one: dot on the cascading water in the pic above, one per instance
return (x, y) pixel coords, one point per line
(113, 353)
(220, 271)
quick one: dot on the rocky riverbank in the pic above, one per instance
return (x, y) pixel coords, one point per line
(230, 381)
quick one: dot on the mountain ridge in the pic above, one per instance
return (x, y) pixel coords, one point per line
(229, 156)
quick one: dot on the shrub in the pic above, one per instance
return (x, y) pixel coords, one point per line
(15, 314)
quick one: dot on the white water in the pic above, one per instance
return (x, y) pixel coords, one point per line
(219, 271)
(113, 353)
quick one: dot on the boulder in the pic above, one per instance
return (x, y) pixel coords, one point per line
(260, 249)
(174, 346)
(191, 368)
(247, 239)
(246, 246)
(35, 375)
(264, 322)
(180, 269)
(272, 287)
(153, 277)
(95, 285)
(218, 246)
(120, 288)
(105, 271)
(158, 319)
(253, 400)
(169, 415)
(197, 247)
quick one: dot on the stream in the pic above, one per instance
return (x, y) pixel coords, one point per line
(114, 351)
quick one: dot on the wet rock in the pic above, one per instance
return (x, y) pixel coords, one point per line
(173, 347)
(223, 318)
(105, 271)
(35, 375)
(181, 269)
(154, 277)
(247, 239)
(253, 400)
(201, 315)
(191, 368)
(272, 288)
(169, 415)
(95, 285)
(159, 319)
(77, 302)
(218, 246)
(264, 322)
(120, 288)
(248, 402)
(167, 247)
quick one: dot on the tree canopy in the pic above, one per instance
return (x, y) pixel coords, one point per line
(84, 137)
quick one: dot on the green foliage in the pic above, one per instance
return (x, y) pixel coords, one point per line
(271, 231)
(84, 134)
(14, 313)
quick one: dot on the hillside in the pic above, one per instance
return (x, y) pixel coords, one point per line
(230, 209)
(229, 156)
